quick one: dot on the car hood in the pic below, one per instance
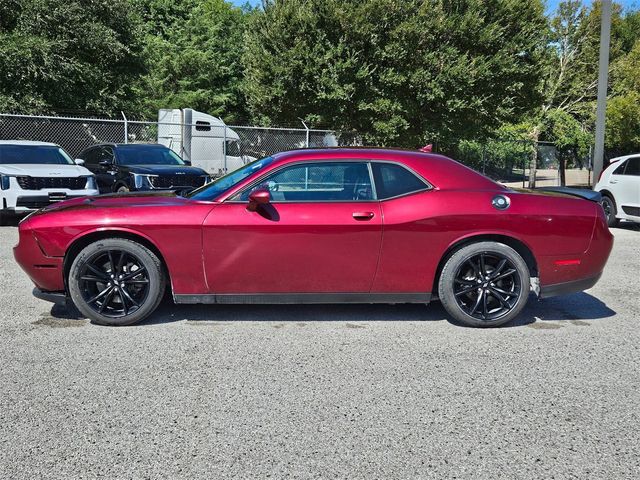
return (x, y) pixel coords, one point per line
(45, 170)
(119, 200)
(165, 169)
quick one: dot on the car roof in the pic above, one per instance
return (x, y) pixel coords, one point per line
(624, 157)
(30, 143)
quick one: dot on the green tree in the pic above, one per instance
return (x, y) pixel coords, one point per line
(67, 55)
(400, 73)
(193, 51)
(622, 133)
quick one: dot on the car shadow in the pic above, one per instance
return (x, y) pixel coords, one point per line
(578, 308)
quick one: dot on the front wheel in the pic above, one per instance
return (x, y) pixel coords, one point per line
(116, 282)
(484, 284)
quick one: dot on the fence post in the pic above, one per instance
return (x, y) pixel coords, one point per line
(307, 129)
(224, 148)
(126, 128)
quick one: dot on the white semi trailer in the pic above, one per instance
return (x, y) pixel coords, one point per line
(202, 139)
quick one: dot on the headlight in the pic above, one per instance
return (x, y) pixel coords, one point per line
(4, 182)
(91, 183)
(142, 181)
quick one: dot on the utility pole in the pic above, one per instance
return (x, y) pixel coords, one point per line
(603, 74)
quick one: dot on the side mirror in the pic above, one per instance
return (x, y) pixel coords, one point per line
(258, 197)
(187, 162)
(79, 161)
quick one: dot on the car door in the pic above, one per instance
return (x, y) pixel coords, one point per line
(407, 256)
(616, 181)
(104, 167)
(320, 233)
(627, 187)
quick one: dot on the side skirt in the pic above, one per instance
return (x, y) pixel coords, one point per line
(292, 298)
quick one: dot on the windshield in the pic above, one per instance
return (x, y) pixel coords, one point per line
(147, 155)
(222, 184)
(33, 154)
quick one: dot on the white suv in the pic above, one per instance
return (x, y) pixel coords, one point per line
(35, 174)
(619, 185)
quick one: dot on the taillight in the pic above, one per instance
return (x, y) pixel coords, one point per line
(600, 176)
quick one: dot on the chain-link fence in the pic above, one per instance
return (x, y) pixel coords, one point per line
(522, 163)
(216, 147)
(220, 148)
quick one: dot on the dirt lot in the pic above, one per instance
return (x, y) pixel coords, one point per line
(355, 391)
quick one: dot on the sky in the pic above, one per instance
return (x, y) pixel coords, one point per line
(551, 4)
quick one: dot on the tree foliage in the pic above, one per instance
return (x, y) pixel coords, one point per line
(399, 72)
(193, 49)
(61, 55)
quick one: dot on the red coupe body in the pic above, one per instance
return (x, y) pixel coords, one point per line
(358, 249)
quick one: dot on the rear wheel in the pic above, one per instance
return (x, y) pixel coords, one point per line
(116, 282)
(609, 206)
(485, 284)
(122, 189)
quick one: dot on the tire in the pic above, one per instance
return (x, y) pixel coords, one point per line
(3, 218)
(92, 288)
(122, 189)
(474, 278)
(610, 210)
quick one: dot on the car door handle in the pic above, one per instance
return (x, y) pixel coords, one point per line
(613, 181)
(363, 215)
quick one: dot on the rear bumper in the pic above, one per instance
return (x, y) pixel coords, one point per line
(568, 287)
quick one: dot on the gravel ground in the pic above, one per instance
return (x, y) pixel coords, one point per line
(323, 391)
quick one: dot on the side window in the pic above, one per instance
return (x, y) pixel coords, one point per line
(233, 148)
(90, 156)
(318, 182)
(620, 169)
(393, 180)
(633, 166)
(104, 153)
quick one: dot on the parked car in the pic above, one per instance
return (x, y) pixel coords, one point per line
(36, 174)
(138, 167)
(619, 185)
(312, 226)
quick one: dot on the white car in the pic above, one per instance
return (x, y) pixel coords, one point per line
(619, 185)
(36, 174)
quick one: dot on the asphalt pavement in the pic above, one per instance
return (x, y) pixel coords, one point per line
(329, 391)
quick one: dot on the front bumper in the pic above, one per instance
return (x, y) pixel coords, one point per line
(44, 271)
(25, 201)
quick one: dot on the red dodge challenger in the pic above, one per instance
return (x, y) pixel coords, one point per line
(357, 225)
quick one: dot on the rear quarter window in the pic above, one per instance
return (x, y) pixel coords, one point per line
(394, 180)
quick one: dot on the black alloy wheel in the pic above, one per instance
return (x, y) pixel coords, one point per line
(484, 284)
(487, 286)
(116, 281)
